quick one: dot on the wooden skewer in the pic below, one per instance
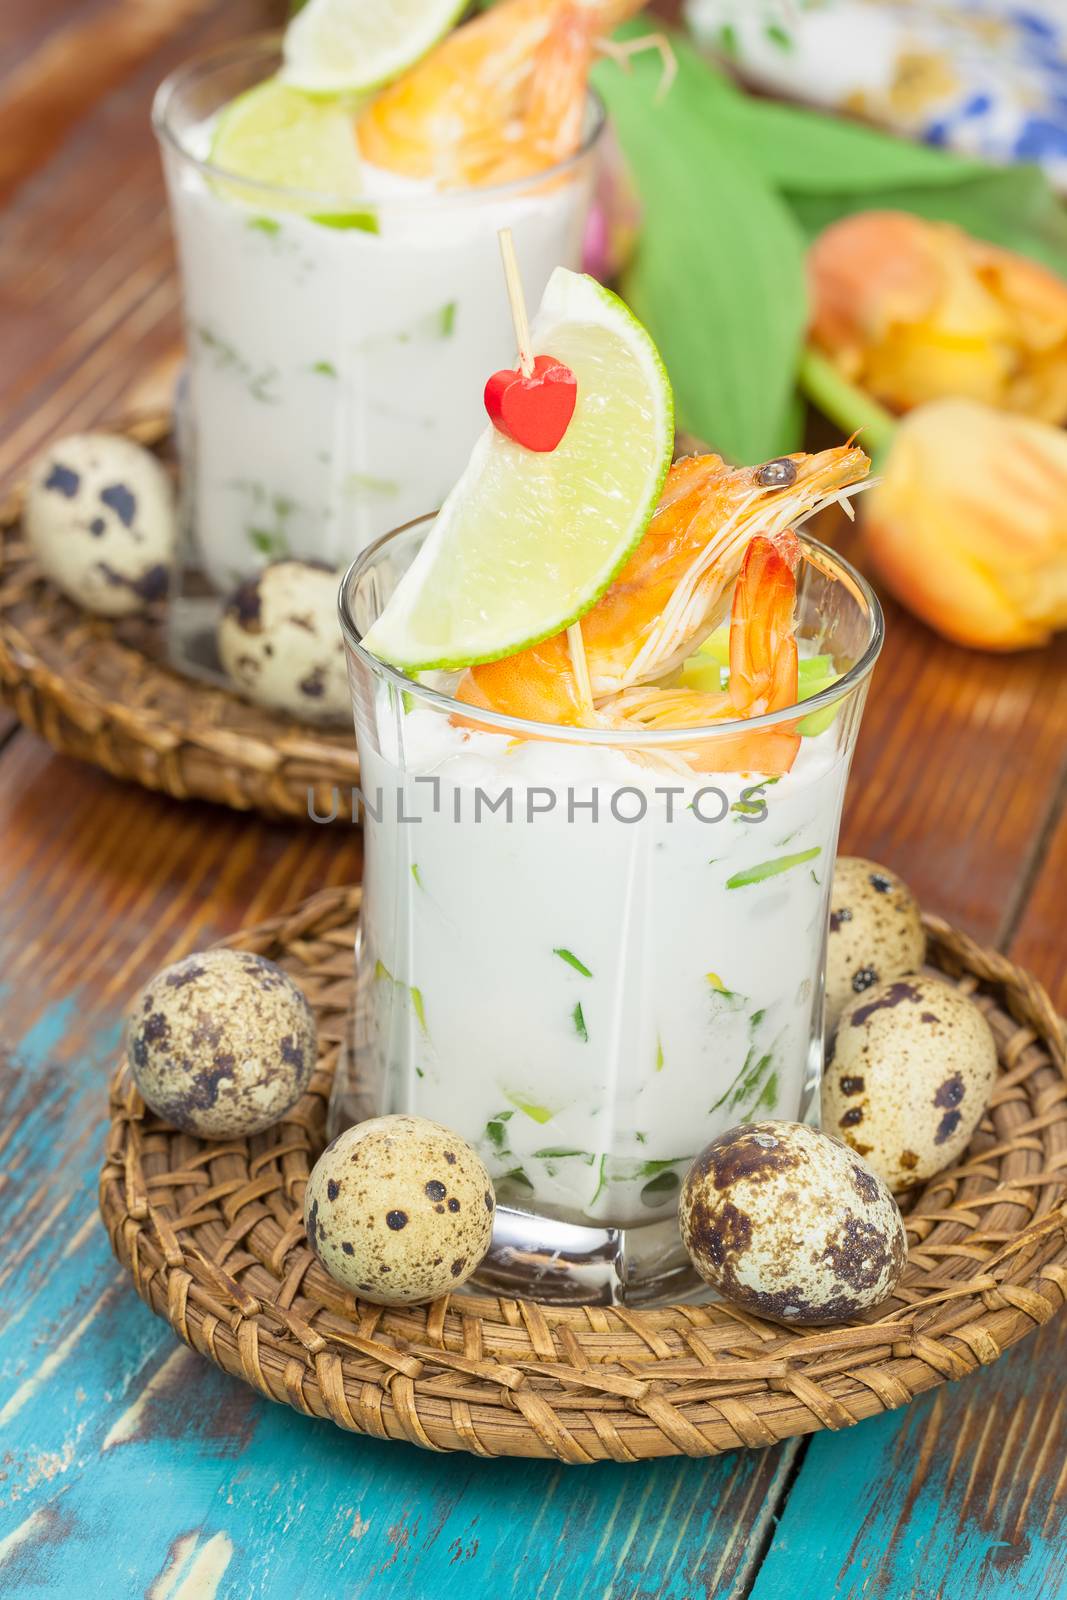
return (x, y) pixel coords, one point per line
(517, 302)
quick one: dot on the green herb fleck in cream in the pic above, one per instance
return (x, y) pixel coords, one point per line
(771, 869)
(572, 961)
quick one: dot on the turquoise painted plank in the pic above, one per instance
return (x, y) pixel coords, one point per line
(961, 1496)
(129, 1466)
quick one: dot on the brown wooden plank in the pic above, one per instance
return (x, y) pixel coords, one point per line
(959, 761)
(102, 882)
(82, 59)
(1038, 941)
(88, 298)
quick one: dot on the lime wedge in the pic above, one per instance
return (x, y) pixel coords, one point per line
(341, 46)
(273, 134)
(527, 542)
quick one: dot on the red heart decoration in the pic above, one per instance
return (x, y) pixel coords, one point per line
(534, 411)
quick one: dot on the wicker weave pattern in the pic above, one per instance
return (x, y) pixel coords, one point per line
(100, 691)
(213, 1237)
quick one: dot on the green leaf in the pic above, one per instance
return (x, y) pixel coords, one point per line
(365, 221)
(579, 1024)
(807, 152)
(495, 1131)
(657, 1190)
(767, 1099)
(718, 276)
(649, 1169)
(747, 1080)
(268, 543)
(829, 167)
(771, 869)
(559, 1154)
(531, 1109)
(1013, 207)
(572, 961)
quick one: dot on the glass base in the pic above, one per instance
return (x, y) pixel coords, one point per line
(192, 630)
(561, 1263)
(533, 1257)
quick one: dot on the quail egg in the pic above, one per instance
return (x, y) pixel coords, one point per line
(221, 1044)
(100, 519)
(911, 1074)
(399, 1209)
(281, 644)
(876, 932)
(787, 1221)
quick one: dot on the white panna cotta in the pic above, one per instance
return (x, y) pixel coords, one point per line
(336, 373)
(588, 998)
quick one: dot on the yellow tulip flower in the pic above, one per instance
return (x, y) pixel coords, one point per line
(912, 311)
(968, 525)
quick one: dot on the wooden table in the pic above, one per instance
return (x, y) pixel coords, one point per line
(128, 1466)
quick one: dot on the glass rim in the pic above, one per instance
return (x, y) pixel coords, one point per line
(218, 55)
(638, 738)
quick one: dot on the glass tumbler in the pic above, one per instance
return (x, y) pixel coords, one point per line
(590, 952)
(337, 348)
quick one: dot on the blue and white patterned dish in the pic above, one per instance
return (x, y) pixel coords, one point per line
(987, 78)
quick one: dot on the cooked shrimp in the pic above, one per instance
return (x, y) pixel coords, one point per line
(500, 98)
(763, 673)
(674, 589)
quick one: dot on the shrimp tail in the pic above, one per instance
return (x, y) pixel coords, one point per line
(763, 647)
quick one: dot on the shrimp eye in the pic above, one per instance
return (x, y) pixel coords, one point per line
(777, 474)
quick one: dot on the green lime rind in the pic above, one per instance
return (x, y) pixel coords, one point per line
(315, 42)
(508, 516)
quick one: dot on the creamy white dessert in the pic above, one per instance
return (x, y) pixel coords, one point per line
(336, 374)
(588, 1000)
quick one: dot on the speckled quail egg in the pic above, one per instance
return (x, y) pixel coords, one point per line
(876, 932)
(787, 1221)
(910, 1077)
(221, 1044)
(280, 641)
(399, 1209)
(100, 518)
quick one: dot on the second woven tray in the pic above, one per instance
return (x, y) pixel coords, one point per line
(213, 1237)
(101, 692)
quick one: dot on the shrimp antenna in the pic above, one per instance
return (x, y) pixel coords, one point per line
(623, 51)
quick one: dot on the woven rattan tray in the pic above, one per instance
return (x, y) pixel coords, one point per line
(213, 1237)
(100, 691)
